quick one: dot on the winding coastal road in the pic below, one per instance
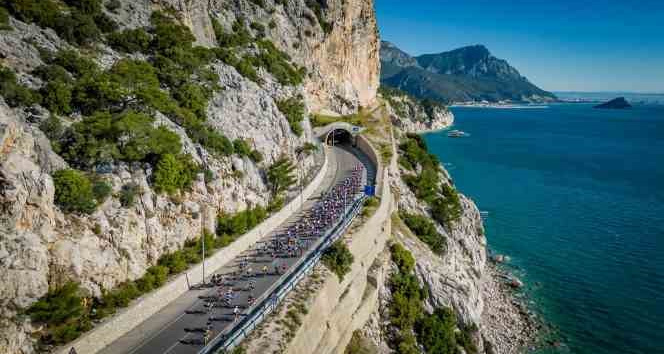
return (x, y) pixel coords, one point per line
(178, 327)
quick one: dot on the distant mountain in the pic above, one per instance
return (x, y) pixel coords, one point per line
(616, 103)
(465, 74)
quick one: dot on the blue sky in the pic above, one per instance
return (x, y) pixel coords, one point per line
(560, 45)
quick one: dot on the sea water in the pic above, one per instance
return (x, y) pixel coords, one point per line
(575, 196)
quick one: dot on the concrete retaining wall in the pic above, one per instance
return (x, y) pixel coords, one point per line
(143, 308)
(365, 146)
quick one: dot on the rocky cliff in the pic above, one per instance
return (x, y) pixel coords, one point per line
(453, 279)
(340, 54)
(42, 247)
(411, 115)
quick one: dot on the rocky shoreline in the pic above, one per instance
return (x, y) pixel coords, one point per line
(506, 321)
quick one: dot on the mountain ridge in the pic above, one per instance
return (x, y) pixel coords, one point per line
(464, 74)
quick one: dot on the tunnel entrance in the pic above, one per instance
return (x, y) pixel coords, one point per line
(340, 136)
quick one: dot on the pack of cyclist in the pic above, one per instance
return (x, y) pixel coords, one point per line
(291, 243)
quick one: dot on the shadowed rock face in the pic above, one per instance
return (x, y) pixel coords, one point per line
(465, 74)
(40, 246)
(616, 103)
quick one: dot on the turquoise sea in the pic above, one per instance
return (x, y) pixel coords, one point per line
(575, 196)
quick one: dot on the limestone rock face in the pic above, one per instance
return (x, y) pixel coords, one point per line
(343, 64)
(413, 116)
(455, 279)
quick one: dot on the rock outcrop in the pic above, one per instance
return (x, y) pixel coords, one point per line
(410, 115)
(40, 246)
(616, 103)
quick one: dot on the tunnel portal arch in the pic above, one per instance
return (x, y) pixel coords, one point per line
(339, 136)
(338, 132)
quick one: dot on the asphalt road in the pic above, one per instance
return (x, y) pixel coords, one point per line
(186, 317)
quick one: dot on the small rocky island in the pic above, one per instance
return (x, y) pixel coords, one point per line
(616, 103)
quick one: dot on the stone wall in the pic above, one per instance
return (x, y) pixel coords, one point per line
(148, 305)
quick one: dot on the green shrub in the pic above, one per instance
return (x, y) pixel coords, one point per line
(407, 296)
(402, 258)
(293, 109)
(52, 128)
(260, 3)
(241, 222)
(76, 64)
(242, 148)
(280, 176)
(447, 208)
(244, 65)
(465, 340)
(214, 141)
(426, 231)
(130, 40)
(101, 190)
(42, 12)
(113, 5)
(442, 198)
(105, 23)
(160, 274)
(146, 283)
(174, 173)
(278, 64)
(56, 97)
(89, 7)
(436, 332)
(14, 93)
(272, 24)
(192, 97)
(370, 204)
(258, 27)
(338, 259)
(256, 156)
(58, 306)
(129, 136)
(239, 37)
(4, 19)
(128, 194)
(53, 72)
(67, 332)
(223, 241)
(307, 148)
(276, 203)
(77, 28)
(73, 192)
(62, 312)
(169, 34)
(97, 92)
(407, 344)
(175, 262)
(121, 296)
(317, 7)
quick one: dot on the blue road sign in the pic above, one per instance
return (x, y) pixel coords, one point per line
(370, 191)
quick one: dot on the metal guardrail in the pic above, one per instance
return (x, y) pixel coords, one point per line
(268, 302)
